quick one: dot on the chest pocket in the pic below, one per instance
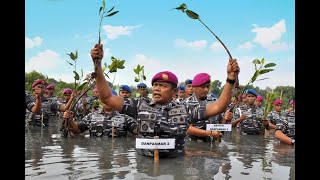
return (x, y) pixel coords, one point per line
(117, 121)
(96, 125)
(147, 121)
(178, 115)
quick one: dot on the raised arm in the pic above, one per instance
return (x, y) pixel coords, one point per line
(102, 85)
(225, 97)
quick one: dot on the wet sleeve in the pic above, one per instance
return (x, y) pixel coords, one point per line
(130, 107)
(29, 102)
(82, 126)
(131, 124)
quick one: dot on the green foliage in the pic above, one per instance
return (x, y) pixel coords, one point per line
(139, 71)
(260, 70)
(215, 87)
(102, 12)
(113, 67)
(269, 98)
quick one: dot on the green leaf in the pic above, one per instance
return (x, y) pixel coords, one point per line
(70, 63)
(81, 73)
(262, 79)
(192, 14)
(136, 71)
(270, 65)
(107, 75)
(256, 61)
(138, 68)
(82, 85)
(262, 61)
(100, 10)
(76, 55)
(144, 77)
(111, 9)
(121, 67)
(182, 7)
(136, 79)
(72, 56)
(103, 4)
(76, 75)
(263, 71)
(111, 14)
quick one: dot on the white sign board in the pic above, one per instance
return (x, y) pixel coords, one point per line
(155, 143)
(219, 127)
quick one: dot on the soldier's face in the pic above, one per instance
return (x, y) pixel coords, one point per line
(181, 94)
(67, 96)
(202, 91)
(189, 89)
(258, 103)
(163, 92)
(250, 99)
(124, 93)
(278, 107)
(143, 91)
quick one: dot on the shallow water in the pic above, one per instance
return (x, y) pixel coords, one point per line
(49, 156)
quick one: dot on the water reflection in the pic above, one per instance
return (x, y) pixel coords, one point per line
(48, 156)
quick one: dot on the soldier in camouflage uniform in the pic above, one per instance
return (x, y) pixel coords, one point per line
(275, 115)
(181, 94)
(125, 91)
(83, 106)
(258, 103)
(142, 90)
(95, 100)
(250, 117)
(161, 116)
(188, 87)
(100, 122)
(201, 86)
(42, 116)
(285, 128)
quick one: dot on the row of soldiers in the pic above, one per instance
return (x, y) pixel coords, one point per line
(165, 114)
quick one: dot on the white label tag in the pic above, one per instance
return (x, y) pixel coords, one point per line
(155, 143)
(97, 118)
(116, 121)
(218, 127)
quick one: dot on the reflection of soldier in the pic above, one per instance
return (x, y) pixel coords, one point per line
(284, 156)
(250, 117)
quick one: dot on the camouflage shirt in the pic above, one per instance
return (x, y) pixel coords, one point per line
(287, 124)
(100, 123)
(169, 121)
(79, 109)
(253, 123)
(274, 116)
(48, 106)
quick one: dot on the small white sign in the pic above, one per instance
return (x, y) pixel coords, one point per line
(219, 127)
(155, 143)
(97, 118)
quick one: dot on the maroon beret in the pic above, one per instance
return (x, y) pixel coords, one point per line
(67, 90)
(165, 76)
(200, 79)
(277, 102)
(50, 86)
(38, 81)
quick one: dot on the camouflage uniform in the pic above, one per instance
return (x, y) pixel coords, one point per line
(170, 121)
(78, 110)
(287, 124)
(274, 116)
(48, 106)
(253, 123)
(99, 123)
(192, 102)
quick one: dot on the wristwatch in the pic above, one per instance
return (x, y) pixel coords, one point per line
(292, 142)
(231, 81)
